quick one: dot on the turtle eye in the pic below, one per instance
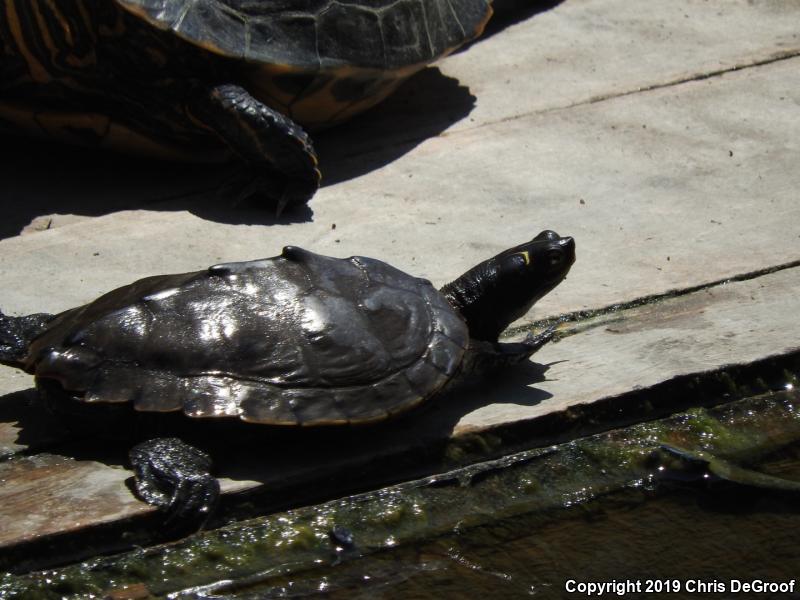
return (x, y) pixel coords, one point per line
(555, 258)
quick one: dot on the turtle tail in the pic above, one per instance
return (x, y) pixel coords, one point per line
(16, 334)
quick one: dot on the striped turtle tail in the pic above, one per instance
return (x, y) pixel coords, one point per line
(15, 335)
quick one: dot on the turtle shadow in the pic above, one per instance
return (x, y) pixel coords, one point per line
(16, 406)
(422, 108)
(510, 12)
(514, 386)
(263, 469)
(40, 429)
(272, 456)
(35, 427)
(300, 466)
(313, 465)
(44, 178)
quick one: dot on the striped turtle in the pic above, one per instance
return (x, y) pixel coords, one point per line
(201, 79)
(298, 339)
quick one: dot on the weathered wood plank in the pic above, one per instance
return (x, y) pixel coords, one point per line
(47, 493)
(666, 177)
(734, 323)
(578, 52)
(583, 50)
(679, 186)
(663, 189)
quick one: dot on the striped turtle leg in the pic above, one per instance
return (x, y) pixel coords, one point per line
(282, 159)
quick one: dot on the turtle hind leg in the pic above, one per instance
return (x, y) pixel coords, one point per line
(282, 161)
(16, 334)
(177, 478)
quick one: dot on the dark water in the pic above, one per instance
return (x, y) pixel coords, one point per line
(675, 538)
(694, 540)
(688, 505)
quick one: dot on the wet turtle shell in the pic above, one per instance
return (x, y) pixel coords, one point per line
(296, 339)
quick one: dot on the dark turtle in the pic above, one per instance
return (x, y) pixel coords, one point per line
(299, 339)
(189, 78)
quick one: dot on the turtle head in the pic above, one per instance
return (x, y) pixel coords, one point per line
(500, 290)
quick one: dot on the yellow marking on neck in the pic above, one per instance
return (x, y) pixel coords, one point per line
(525, 254)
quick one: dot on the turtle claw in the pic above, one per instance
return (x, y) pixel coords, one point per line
(486, 357)
(194, 499)
(242, 186)
(522, 351)
(280, 205)
(246, 186)
(175, 477)
(535, 342)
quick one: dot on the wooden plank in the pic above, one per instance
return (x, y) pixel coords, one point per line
(680, 186)
(672, 186)
(673, 182)
(48, 494)
(584, 50)
(578, 52)
(735, 323)
(740, 322)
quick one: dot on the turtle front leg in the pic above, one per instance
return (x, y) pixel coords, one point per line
(484, 358)
(175, 477)
(282, 160)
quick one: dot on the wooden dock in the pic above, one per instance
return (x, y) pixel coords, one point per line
(662, 136)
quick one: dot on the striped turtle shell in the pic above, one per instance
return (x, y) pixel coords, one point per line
(295, 339)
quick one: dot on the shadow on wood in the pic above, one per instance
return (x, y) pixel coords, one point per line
(422, 108)
(42, 178)
(509, 12)
(277, 468)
